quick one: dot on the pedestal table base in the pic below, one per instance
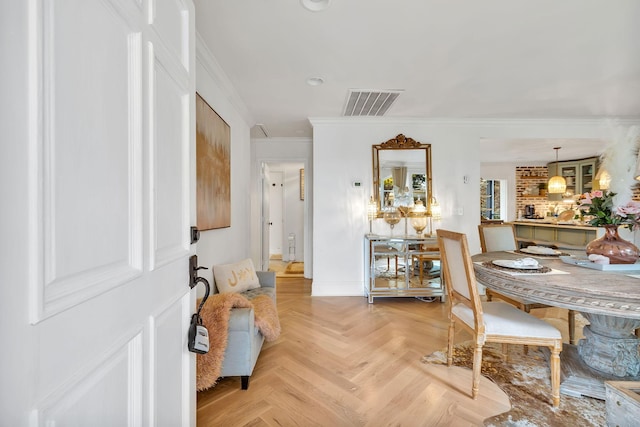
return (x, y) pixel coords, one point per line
(608, 352)
(610, 345)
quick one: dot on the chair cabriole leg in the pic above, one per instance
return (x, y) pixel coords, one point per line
(450, 343)
(555, 373)
(572, 327)
(477, 367)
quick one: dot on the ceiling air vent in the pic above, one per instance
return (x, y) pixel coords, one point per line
(263, 129)
(369, 102)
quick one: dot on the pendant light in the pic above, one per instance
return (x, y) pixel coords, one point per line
(604, 179)
(557, 184)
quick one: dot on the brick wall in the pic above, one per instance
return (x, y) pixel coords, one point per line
(527, 193)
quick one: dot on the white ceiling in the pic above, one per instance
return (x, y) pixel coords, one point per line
(451, 59)
(528, 151)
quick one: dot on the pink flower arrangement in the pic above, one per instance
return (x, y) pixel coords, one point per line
(599, 205)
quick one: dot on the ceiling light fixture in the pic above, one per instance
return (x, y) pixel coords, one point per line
(557, 184)
(603, 178)
(315, 81)
(315, 5)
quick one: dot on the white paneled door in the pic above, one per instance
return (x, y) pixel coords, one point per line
(96, 245)
(265, 215)
(276, 194)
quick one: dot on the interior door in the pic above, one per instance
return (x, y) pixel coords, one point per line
(104, 156)
(265, 215)
(276, 214)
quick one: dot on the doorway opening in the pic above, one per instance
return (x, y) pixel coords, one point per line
(493, 193)
(286, 218)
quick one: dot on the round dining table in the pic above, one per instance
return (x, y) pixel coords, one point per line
(608, 299)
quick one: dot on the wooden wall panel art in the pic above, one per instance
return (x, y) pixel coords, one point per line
(213, 168)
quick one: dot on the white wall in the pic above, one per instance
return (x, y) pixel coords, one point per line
(342, 154)
(230, 244)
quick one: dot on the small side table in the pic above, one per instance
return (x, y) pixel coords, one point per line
(623, 403)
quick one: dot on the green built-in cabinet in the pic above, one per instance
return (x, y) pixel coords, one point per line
(579, 174)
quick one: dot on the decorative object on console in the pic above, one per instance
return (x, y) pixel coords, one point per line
(404, 213)
(557, 184)
(436, 214)
(419, 217)
(372, 213)
(392, 217)
(436, 210)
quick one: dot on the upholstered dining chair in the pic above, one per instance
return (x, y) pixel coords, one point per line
(502, 237)
(496, 321)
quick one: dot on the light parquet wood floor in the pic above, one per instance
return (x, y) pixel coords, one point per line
(343, 362)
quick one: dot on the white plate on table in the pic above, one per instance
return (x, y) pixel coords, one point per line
(546, 251)
(508, 263)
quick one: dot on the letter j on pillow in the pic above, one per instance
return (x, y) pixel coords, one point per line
(238, 277)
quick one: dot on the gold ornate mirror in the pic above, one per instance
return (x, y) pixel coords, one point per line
(401, 170)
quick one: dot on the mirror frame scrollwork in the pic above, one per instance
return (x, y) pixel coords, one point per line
(400, 142)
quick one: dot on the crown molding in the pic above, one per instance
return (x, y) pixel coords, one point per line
(205, 57)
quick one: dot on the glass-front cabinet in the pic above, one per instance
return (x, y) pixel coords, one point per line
(586, 174)
(570, 174)
(578, 174)
(407, 266)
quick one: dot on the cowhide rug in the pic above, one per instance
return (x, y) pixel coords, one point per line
(525, 379)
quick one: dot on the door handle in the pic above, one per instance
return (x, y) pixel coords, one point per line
(198, 334)
(193, 272)
(194, 279)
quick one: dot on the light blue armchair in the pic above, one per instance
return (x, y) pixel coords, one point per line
(245, 340)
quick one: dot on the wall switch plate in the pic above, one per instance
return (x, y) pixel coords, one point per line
(459, 211)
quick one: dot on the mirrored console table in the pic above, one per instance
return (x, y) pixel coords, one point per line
(403, 266)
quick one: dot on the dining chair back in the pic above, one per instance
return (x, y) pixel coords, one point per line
(497, 237)
(497, 322)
